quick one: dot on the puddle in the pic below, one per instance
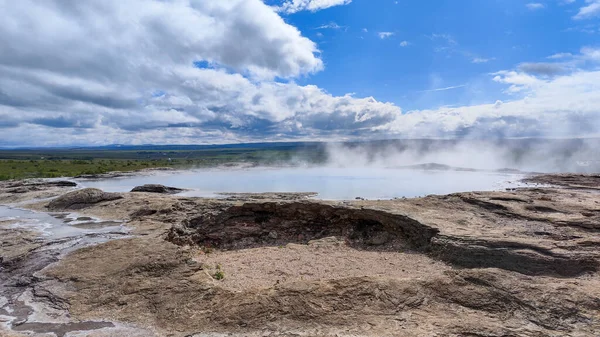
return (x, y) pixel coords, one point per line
(57, 225)
(61, 329)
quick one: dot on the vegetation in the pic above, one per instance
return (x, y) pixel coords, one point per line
(52, 163)
(43, 168)
(219, 274)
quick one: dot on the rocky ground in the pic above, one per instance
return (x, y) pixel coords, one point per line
(522, 262)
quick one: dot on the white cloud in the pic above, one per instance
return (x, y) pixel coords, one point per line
(385, 35)
(445, 88)
(592, 54)
(565, 106)
(131, 79)
(132, 74)
(590, 10)
(518, 81)
(404, 44)
(481, 60)
(38, 33)
(447, 38)
(535, 6)
(294, 6)
(558, 56)
(331, 25)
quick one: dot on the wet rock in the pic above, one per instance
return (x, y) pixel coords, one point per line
(108, 175)
(62, 183)
(157, 188)
(81, 198)
(269, 196)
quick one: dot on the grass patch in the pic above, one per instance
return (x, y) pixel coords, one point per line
(219, 275)
(54, 163)
(43, 168)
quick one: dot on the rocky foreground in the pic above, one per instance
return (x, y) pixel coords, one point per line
(522, 262)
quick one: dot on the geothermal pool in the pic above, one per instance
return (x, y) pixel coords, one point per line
(331, 183)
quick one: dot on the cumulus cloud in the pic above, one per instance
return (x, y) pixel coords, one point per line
(591, 9)
(155, 71)
(243, 35)
(564, 106)
(293, 6)
(404, 44)
(164, 71)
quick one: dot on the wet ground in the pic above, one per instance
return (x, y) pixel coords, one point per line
(25, 302)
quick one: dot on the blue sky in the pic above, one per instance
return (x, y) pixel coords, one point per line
(225, 71)
(487, 36)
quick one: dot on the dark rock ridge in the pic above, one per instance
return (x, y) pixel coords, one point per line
(256, 224)
(25, 186)
(275, 223)
(81, 198)
(157, 188)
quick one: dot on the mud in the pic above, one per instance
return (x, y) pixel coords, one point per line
(522, 262)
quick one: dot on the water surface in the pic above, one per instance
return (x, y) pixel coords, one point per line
(329, 182)
(56, 225)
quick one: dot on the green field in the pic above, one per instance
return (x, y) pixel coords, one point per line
(52, 163)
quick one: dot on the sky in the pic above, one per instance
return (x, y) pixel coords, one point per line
(226, 71)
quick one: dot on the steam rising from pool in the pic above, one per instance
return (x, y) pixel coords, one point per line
(386, 169)
(329, 182)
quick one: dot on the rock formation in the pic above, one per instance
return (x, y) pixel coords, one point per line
(81, 198)
(156, 188)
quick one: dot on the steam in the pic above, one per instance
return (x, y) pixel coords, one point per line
(528, 155)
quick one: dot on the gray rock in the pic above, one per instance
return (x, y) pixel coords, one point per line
(157, 188)
(81, 198)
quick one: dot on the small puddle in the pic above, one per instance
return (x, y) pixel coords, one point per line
(61, 329)
(57, 225)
